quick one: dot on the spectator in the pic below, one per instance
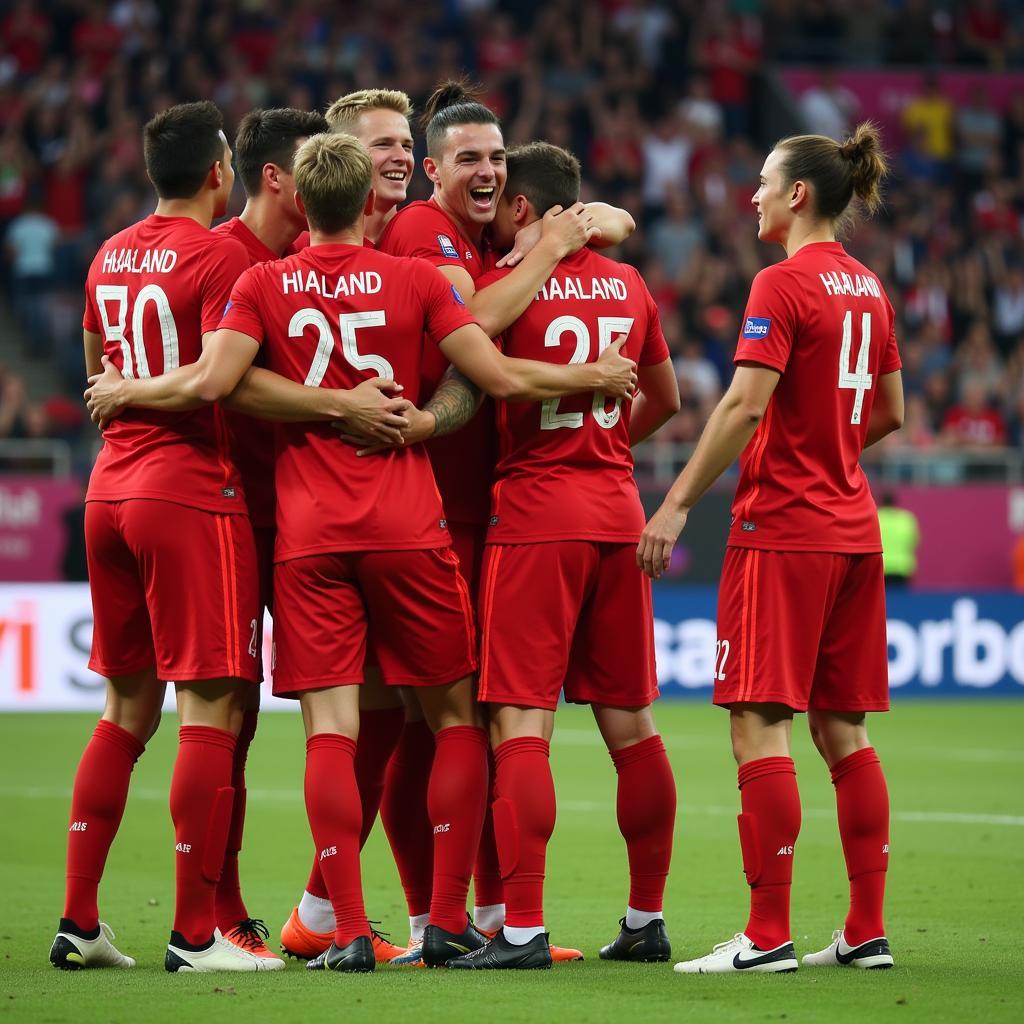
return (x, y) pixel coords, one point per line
(900, 537)
(677, 235)
(929, 117)
(979, 134)
(666, 159)
(31, 244)
(829, 108)
(972, 423)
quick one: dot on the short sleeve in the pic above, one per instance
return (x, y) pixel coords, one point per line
(423, 234)
(891, 361)
(445, 309)
(242, 312)
(655, 348)
(769, 322)
(225, 263)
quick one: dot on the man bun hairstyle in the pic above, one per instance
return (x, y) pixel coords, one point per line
(547, 175)
(451, 104)
(269, 137)
(840, 173)
(180, 145)
(333, 176)
(346, 110)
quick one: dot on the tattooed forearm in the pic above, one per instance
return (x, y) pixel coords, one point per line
(454, 403)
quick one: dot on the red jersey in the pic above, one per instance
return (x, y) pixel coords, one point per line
(463, 462)
(336, 315)
(253, 438)
(152, 291)
(565, 470)
(824, 322)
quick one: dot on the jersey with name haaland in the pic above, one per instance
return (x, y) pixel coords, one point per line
(333, 316)
(152, 291)
(565, 469)
(463, 461)
(823, 321)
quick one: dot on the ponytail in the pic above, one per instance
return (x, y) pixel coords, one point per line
(863, 151)
(451, 104)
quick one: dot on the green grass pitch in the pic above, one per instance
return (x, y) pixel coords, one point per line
(956, 772)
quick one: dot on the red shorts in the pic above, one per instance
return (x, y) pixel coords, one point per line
(416, 603)
(265, 536)
(468, 541)
(566, 615)
(172, 586)
(802, 628)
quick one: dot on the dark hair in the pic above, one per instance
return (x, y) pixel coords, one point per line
(181, 144)
(269, 137)
(547, 175)
(837, 171)
(449, 105)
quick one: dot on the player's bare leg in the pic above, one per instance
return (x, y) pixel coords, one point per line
(331, 720)
(456, 802)
(768, 825)
(210, 712)
(130, 717)
(309, 929)
(646, 811)
(524, 818)
(862, 803)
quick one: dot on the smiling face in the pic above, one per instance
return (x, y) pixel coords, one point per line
(774, 200)
(469, 175)
(388, 139)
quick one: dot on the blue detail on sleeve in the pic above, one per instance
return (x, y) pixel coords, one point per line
(756, 328)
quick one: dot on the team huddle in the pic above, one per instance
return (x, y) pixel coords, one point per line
(406, 431)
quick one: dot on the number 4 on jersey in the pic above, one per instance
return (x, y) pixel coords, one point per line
(859, 380)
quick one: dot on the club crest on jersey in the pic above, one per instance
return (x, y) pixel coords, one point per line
(756, 327)
(447, 247)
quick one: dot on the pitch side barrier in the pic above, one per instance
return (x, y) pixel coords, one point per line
(940, 645)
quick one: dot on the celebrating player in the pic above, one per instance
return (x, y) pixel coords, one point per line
(265, 145)
(559, 603)
(169, 604)
(349, 556)
(801, 608)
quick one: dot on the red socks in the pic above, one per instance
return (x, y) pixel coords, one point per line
(97, 805)
(769, 825)
(524, 818)
(333, 806)
(456, 802)
(403, 813)
(646, 808)
(862, 801)
(201, 807)
(487, 888)
(379, 732)
(230, 905)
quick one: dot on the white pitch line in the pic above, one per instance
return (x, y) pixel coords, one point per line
(571, 806)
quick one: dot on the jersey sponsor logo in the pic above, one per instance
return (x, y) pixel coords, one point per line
(757, 327)
(493, 521)
(227, 492)
(443, 523)
(457, 297)
(447, 248)
(747, 526)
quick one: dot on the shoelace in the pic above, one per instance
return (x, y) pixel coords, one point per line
(250, 933)
(383, 936)
(735, 941)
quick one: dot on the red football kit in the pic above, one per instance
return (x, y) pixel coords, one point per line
(335, 315)
(185, 597)
(463, 462)
(561, 602)
(801, 618)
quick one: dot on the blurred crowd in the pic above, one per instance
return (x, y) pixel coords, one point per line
(661, 99)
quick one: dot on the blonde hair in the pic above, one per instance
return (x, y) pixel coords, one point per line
(333, 175)
(346, 110)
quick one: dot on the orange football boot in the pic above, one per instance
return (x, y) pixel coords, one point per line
(559, 954)
(383, 948)
(298, 941)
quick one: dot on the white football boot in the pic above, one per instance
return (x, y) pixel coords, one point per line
(70, 952)
(872, 955)
(739, 954)
(220, 955)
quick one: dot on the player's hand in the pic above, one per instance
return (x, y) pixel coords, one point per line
(374, 413)
(568, 230)
(654, 552)
(421, 428)
(103, 397)
(617, 372)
